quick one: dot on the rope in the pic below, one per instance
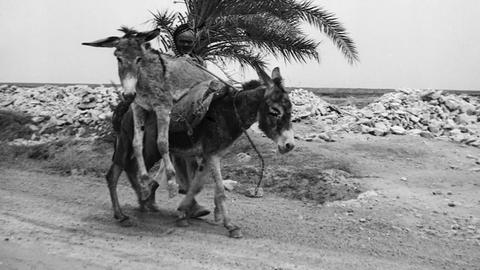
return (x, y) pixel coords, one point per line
(262, 161)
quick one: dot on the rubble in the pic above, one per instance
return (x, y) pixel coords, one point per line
(426, 113)
(306, 104)
(60, 108)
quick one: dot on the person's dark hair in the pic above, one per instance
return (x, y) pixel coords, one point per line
(181, 29)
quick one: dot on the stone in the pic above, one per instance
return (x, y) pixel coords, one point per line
(229, 185)
(426, 134)
(243, 157)
(365, 129)
(33, 127)
(326, 136)
(466, 107)
(398, 130)
(367, 113)
(431, 95)
(451, 104)
(450, 124)
(38, 119)
(380, 129)
(435, 126)
(367, 194)
(465, 119)
(254, 193)
(377, 107)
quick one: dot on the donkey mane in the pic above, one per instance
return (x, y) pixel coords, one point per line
(251, 84)
(128, 31)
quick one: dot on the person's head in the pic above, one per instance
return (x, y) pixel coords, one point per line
(184, 39)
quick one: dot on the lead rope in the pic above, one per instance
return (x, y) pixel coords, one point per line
(262, 162)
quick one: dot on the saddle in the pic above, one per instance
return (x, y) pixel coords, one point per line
(189, 109)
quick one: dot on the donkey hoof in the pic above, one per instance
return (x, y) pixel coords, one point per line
(126, 222)
(183, 222)
(198, 211)
(144, 194)
(152, 207)
(148, 207)
(145, 179)
(235, 233)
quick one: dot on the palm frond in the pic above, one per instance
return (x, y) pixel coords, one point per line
(245, 30)
(329, 24)
(239, 55)
(166, 22)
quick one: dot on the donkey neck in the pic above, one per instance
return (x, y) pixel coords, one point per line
(246, 106)
(152, 70)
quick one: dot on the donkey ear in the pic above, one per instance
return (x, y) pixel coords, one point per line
(276, 74)
(263, 76)
(147, 36)
(109, 42)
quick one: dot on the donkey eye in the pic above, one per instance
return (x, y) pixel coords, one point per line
(138, 60)
(274, 111)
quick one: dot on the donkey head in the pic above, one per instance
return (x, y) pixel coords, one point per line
(275, 112)
(129, 51)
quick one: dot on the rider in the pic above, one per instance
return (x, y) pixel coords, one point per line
(184, 40)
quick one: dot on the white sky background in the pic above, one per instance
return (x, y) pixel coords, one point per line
(402, 43)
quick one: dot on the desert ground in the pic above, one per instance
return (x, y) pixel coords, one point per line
(357, 201)
(417, 208)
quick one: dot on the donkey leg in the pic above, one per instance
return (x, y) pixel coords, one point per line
(148, 204)
(189, 206)
(138, 133)
(181, 170)
(163, 122)
(112, 179)
(196, 210)
(220, 209)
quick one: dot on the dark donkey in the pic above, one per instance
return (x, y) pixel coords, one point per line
(155, 81)
(223, 123)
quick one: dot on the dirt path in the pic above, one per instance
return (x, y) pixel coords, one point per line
(54, 222)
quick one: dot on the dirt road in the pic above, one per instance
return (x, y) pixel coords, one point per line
(403, 221)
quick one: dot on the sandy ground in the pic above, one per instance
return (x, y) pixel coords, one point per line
(403, 221)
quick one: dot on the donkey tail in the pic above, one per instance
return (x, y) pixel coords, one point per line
(118, 113)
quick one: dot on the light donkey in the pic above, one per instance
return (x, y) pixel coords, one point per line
(155, 82)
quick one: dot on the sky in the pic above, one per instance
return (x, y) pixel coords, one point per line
(401, 43)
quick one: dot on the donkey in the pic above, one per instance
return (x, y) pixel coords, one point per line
(144, 78)
(227, 117)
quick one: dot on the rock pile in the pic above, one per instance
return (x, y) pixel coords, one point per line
(428, 113)
(54, 108)
(306, 105)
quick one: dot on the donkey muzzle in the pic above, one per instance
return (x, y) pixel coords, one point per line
(129, 97)
(285, 142)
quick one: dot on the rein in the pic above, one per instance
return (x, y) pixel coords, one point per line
(262, 161)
